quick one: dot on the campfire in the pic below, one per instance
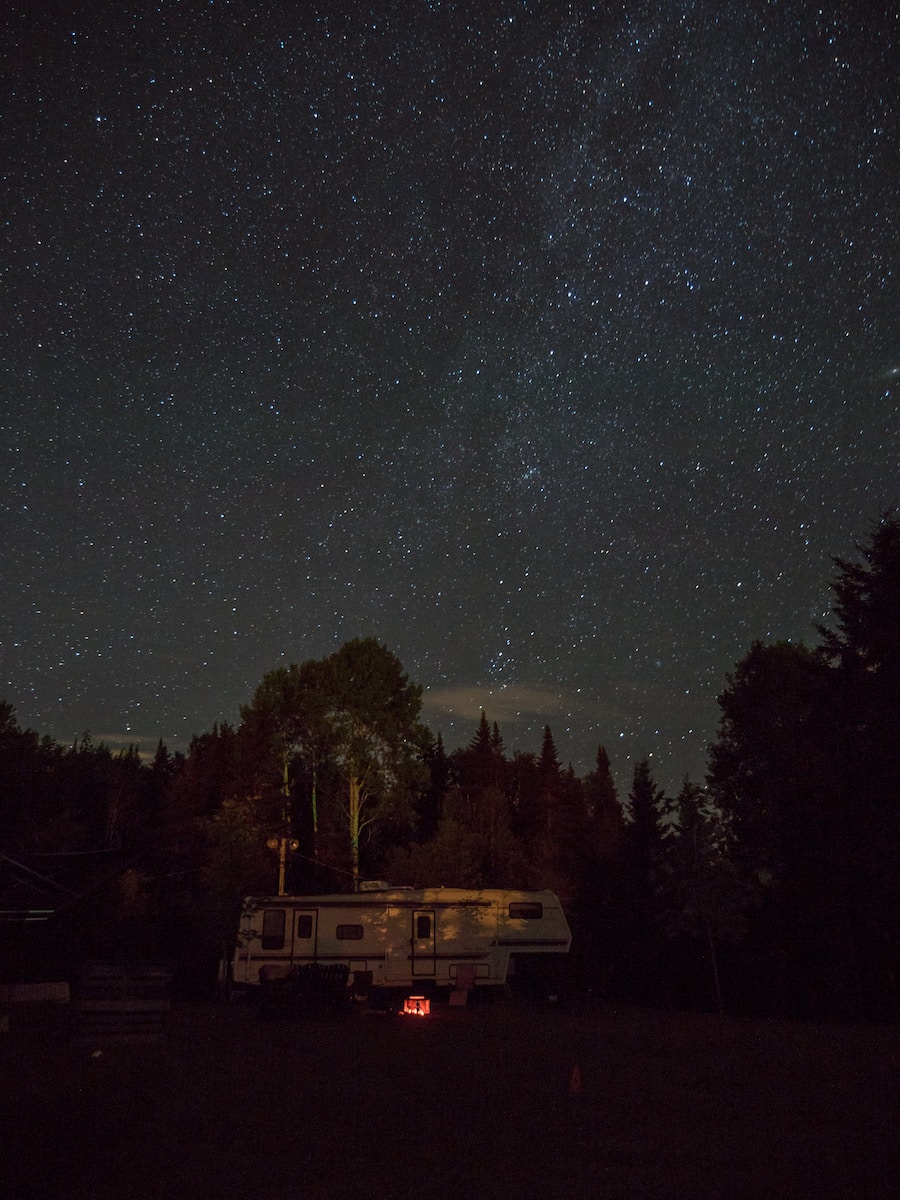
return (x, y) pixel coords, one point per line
(416, 1006)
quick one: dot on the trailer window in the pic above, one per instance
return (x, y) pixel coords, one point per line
(273, 929)
(423, 927)
(304, 925)
(349, 933)
(531, 910)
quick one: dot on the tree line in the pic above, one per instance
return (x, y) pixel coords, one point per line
(772, 886)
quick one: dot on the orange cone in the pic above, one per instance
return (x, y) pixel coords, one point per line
(575, 1080)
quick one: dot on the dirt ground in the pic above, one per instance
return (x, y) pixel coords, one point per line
(496, 1101)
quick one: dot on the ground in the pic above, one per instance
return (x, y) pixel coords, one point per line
(495, 1101)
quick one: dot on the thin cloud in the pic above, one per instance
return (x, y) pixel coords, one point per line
(507, 704)
(117, 742)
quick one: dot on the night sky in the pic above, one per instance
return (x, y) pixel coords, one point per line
(556, 345)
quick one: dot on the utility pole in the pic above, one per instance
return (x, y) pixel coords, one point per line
(282, 845)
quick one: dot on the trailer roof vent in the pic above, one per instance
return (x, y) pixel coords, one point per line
(373, 885)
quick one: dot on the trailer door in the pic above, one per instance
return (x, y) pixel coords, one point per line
(305, 934)
(423, 942)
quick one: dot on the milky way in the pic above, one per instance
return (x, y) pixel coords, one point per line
(556, 348)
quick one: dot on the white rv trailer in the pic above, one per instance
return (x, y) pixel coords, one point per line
(403, 937)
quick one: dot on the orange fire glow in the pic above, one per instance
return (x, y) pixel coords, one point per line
(416, 1006)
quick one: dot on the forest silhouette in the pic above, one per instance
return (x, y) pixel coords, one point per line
(772, 886)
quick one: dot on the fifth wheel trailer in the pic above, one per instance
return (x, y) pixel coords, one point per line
(401, 937)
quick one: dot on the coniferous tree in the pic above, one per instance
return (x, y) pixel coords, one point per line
(863, 728)
(525, 797)
(474, 845)
(766, 769)
(806, 771)
(600, 908)
(571, 848)
(643, 851)
(645, 832)
(864, 650)
(30, 801)
(705, 901)
(561, 851)
(604, 809)
(482, 764)
(548, 760)
(549, 774)
(771, 782)
(214, 860)
(478, 802)
(430, 808)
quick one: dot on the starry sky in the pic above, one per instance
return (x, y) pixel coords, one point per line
(556, 345)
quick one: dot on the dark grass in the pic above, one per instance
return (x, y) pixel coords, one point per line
(468, 1102)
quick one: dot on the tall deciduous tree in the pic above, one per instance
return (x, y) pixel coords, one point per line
(353, 714)
(374, 735)
(287, 717)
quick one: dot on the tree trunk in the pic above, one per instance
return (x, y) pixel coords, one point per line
(315, 820)
(714, 960)
(355, 810)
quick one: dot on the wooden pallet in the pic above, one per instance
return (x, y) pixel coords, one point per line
(117, 1001)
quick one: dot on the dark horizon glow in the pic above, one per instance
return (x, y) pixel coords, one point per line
(554, 345)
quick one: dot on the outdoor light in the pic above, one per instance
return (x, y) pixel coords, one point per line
(416, 1006)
